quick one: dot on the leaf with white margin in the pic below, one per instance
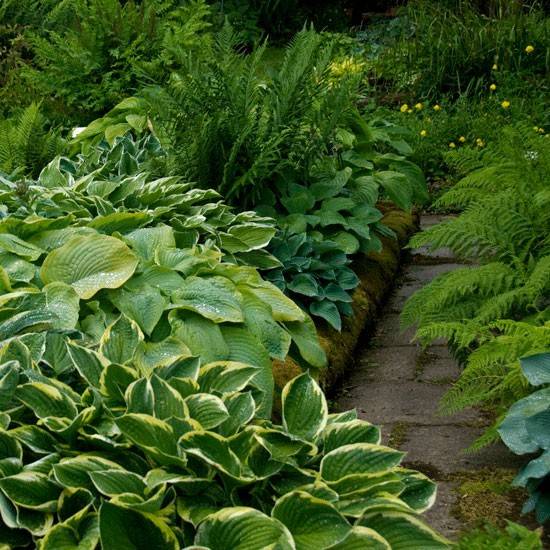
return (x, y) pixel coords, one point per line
(120, 340)
(404, 531)
(305, 410)
(90, 263)
(313, 523)
(207, 409)
(358, 458)
(242, 528)
(338, 434)
(362, 538)
(226, 376)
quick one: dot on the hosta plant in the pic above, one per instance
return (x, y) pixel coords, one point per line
(526, 430)
(315, 273)
(100, 448)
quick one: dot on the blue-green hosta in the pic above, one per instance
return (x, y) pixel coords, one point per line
(100, 448)
(526, 430)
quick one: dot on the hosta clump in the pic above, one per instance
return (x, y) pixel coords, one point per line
(315, 274)
(99, 448)
(526, 431)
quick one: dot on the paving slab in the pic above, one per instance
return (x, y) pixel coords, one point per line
(426, 273)
(440, 516)
(397, 363)
(436, 366)
(389, 333)
(416, 403)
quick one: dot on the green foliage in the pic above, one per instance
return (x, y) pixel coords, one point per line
(494, 313)
(315, 274)
(526, 430)
(92, 53)
(452, 48)
(26, 145)
(512, 537)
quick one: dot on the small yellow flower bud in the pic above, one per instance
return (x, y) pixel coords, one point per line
(493, 87)
(530, 49)
(452, 145)
(437, 107)
(495, 67)
(541, 130)
(423, 133)
(462, 139)
(419, 106)
(536, 128)
(404, 108)
(505, 104)
(410, 111)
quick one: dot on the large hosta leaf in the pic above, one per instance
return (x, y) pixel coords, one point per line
(314, 523)
(305, 409)
(90, 263)
(123, 528)
(243, 528)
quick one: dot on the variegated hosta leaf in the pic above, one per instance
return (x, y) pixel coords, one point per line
(313, 523)
(305, 409)
(120, 340)
(226, 376)
(338, 434)
(362, 538)
(90, 263)
(241, 528)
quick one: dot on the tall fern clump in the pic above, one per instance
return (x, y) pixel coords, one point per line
(498, 311)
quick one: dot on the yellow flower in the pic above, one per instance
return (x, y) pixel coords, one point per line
(437, 107)
(452, 145)
(423, 133)
(462, 139)
(493, 87)
(495, 67)
(530, 49)
(409, 111)
(480, 142)
(347, 66)
(536, 128)
(404, 108)
(505, 104)
(541, 130)
(419, 106)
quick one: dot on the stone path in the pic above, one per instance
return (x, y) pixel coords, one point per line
(397, 385)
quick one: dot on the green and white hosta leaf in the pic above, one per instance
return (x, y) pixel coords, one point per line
(305, 408)
(207, 409)
(241, 528)
(68, 536)
(362, 538)
(152, 355)
(89, 264)
(74, 472)
(338, 434)
(31, 490)
(46, 400)
(63, 302)
(313, 523)
(121, 527)
(241, 408)
(420, 492)
(120, 340)
(89, 364)
(226, 376)
(117, 481)
(358, 458)
(404, 531)
(146, 241)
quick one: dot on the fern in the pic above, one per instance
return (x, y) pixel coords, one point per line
(26, 145)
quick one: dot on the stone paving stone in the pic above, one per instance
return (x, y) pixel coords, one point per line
(390, 364)
(390, 402)
(442, 448)
(388, 332)
(429, 220)
(424, 255)
(426, 273)
(401, 295)
(436, 366)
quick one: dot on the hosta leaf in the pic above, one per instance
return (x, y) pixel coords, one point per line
(16, 268)
(328, 311)
(338, 434)
(397, 187)
(404, 531)
(305, 409)
(282, 308)
(214, 450)
(167, 401)
(346, 242)
(253, 235)
(89, 264)
(241, 408)
(536, 368)
(46, 400)
(31, 490)
(124, 528)
(115, 482)
(88, 363)
(215, 298)
(120, 340)
(362, 538)
(304, 283)
(225, 376)
(313, 523)
(66, 537)
(358, 458)
(74, 472)
(304, 335)
(19, 247)
(9, 378)
(120, 221)
(207, 409)
(151, 355)
(146, 241)
(241, 528)
(419, 492)
(144, 305)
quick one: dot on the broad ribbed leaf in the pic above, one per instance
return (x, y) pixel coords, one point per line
(90, 263)
(338, 434)
(536, 368)
(207, 409)
(120, 340)
(15, 245)
(64, 536)
(74, 472)
(304, 335)
(226, 376)
(358, 458)
(115, 482)
(123, 528)
(241, 528)
(313, 523)
(362, 538)
(46, 400)
(31, 490)
(404, 531)
(305, 409)
(146, 241)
